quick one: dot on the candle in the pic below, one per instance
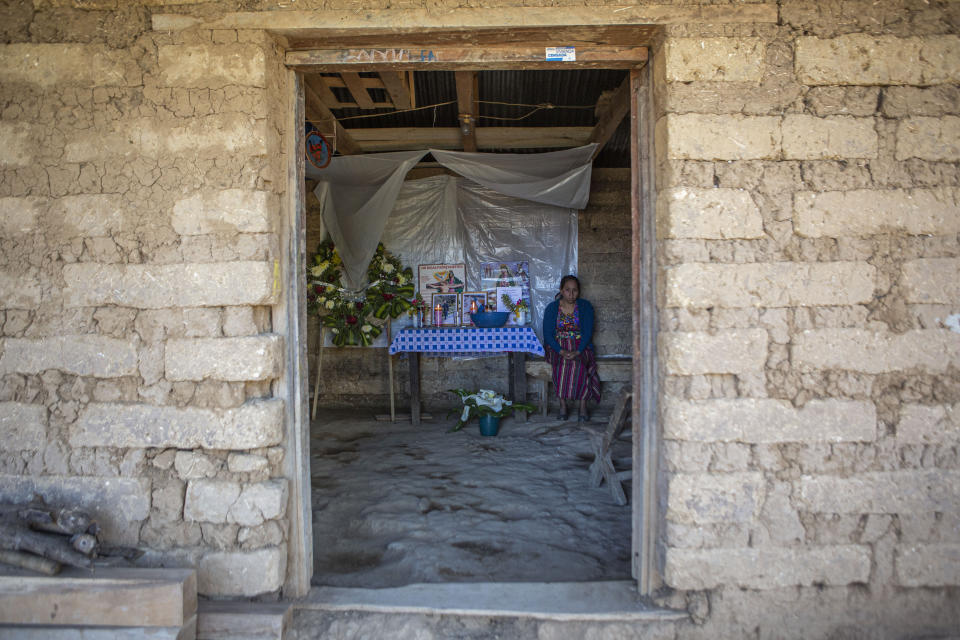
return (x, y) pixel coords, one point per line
(437, 315)
(473, 306)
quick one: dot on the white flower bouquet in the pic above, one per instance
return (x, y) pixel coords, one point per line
(486, 403)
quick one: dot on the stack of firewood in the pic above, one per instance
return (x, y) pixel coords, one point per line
(43, 538)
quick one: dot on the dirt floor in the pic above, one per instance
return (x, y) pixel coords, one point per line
(396, 505)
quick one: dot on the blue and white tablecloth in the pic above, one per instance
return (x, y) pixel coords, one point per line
(467, 340)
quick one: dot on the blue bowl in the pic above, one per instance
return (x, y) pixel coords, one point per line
(490, 319)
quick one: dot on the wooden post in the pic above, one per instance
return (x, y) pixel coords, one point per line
(414, 357)
(393, 410)
(316, 384)
(518, 380)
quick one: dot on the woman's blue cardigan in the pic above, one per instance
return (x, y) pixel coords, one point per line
(586, 324)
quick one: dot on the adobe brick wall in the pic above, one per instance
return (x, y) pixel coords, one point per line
(807, 172)
(140, 196)
(808, 227)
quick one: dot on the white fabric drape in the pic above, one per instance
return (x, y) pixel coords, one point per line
(445, 219)
(560, 178)
(359, 192)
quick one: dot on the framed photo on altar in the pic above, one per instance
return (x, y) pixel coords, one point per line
(480, 297)
(504, 276)
(514, 294)
(449, 309)
(441, 278)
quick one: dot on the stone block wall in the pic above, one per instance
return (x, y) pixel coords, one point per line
(139, 203)
(808, 223)
(807, 179)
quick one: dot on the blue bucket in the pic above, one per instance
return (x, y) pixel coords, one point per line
(489, 425)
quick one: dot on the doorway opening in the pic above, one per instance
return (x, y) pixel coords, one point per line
(421, 478)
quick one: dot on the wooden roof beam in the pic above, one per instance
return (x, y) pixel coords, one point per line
(395, 84)
(467, 107)
(488, 138)
(321, 87)
(611, 115)
(459, 58)
(357, 89)
(316, 110)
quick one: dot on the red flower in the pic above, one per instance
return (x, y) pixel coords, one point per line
(359, 305)
(388, 296)
(351, 319)
(319, 288)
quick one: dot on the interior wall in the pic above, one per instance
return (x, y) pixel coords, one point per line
(358, 377)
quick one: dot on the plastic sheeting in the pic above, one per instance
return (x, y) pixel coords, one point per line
(560, 178)
(357, 194)
(514, 207)
(447, 219)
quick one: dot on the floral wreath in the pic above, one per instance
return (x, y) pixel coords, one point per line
(357, 320)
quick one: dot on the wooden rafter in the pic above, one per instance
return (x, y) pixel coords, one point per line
(395, 69)
(357, 89)
(466, 106)
(393, 82)
(321, 86)
(488, 138)
(317, 111)
(611, 114)
(396, 85)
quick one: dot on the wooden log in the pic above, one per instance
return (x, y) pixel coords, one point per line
(67, 520)
(14, 537)
(30, 561)
(117, 551)
(84, 543)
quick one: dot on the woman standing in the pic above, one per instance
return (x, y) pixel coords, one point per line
(568, 332)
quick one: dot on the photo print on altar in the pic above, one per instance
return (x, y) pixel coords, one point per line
(441, 278)
(480, 297)
(501, 274)
(449, 309)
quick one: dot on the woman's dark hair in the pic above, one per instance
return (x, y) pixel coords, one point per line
(563, 281)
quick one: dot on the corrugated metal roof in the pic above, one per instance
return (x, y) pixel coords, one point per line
(572, 95)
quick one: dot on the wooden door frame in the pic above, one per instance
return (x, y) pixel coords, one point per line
(293, 383)
(644, 523)
(646, 439)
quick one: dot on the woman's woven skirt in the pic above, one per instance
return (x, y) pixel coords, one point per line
(574, 379)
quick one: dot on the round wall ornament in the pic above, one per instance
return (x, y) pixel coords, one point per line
(319, 151)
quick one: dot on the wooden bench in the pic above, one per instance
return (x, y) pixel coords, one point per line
(610, 369)
(602, 440)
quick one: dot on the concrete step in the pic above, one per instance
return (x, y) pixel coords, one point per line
(114, 597)
(242, 620)
(477, 611)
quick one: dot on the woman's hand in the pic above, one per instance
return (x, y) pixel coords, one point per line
(569, 355)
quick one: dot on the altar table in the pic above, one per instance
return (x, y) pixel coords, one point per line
(515, 341)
